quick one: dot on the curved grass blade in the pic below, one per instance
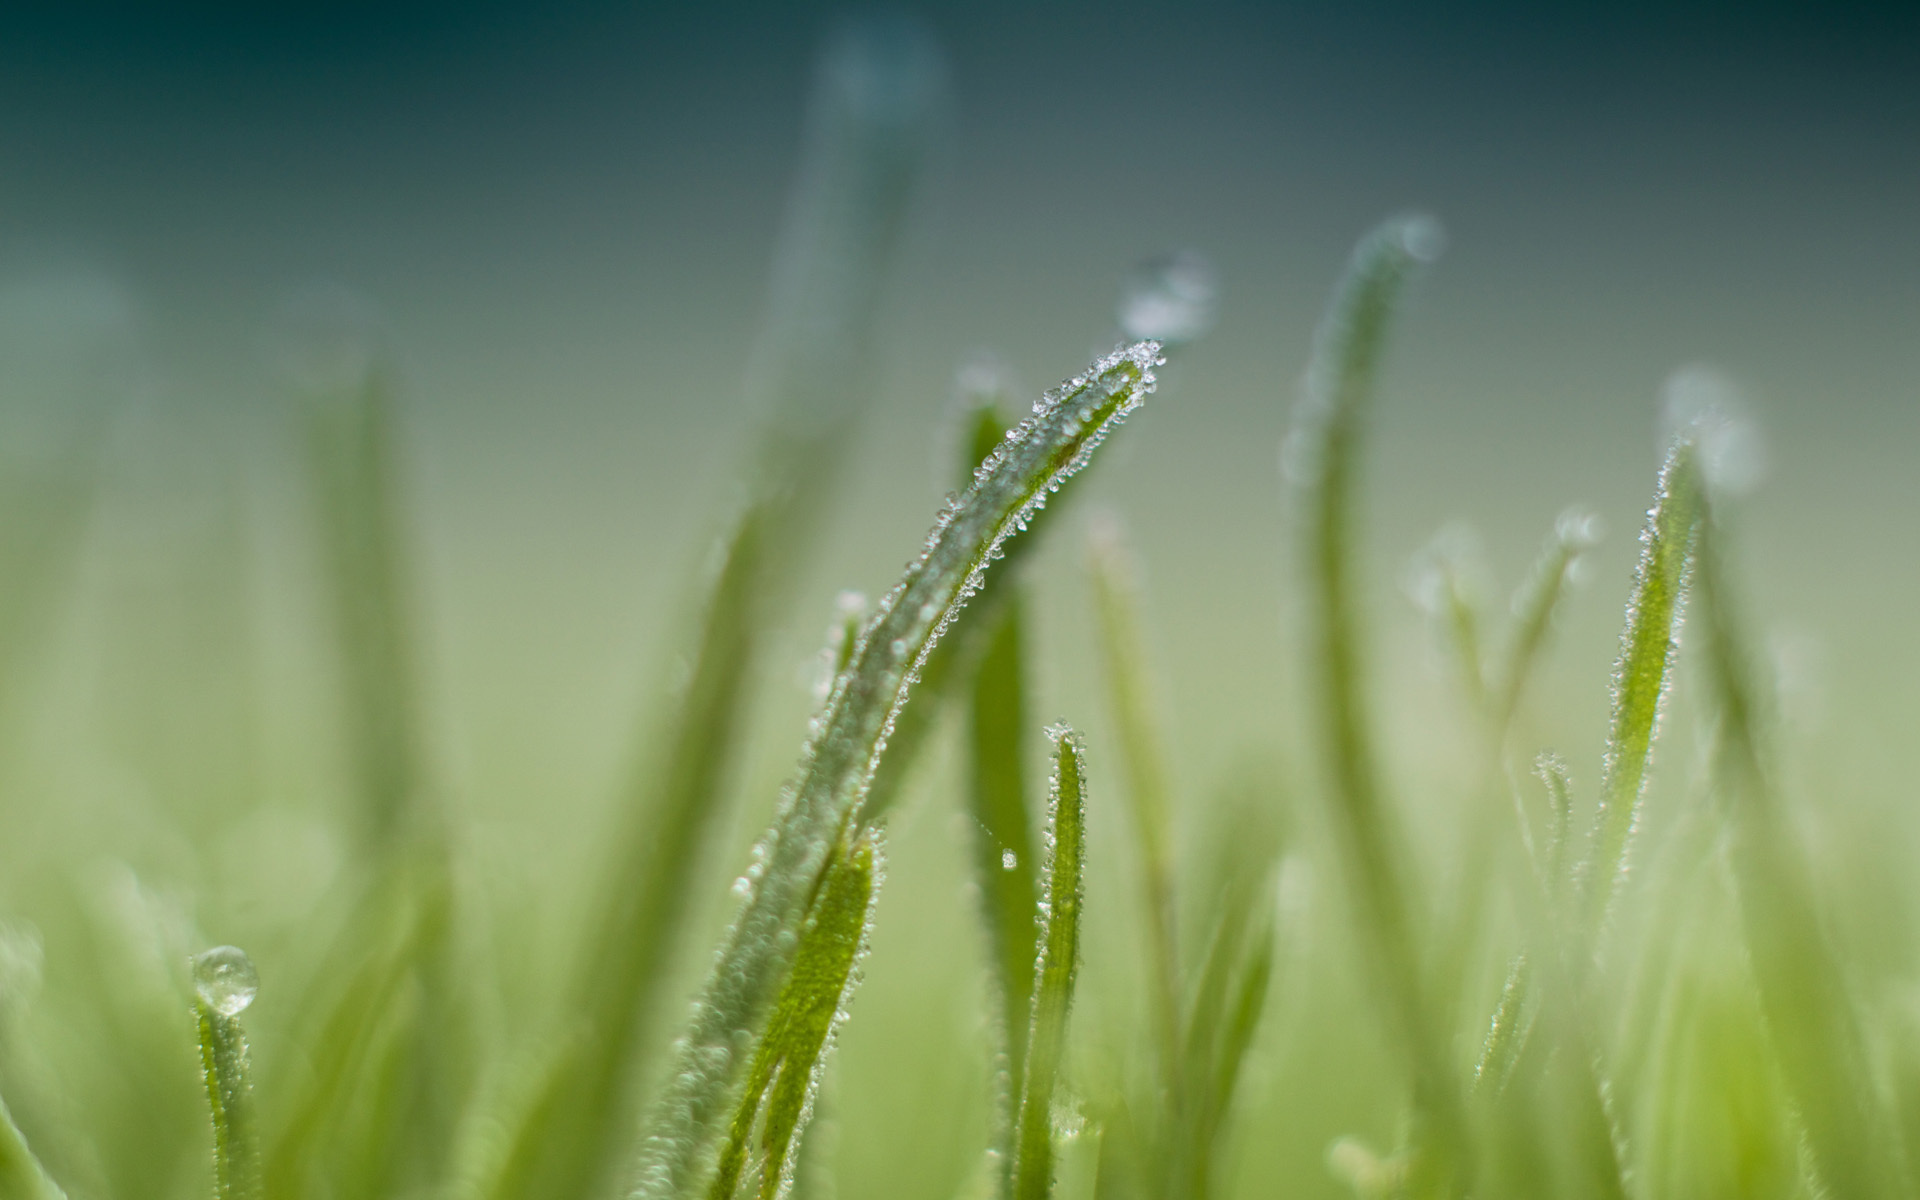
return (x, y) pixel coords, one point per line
(1811, 1018)
(1533, 608)
(1114, 588)
(1322, 459)
(877, 89)
(1226, 1010)
(1648, 647)
(21, 1175)
(225, 983)
(1059, 938)
(786, 1070)
(849, 737)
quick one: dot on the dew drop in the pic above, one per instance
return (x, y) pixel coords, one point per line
(225, 978)
(1009, 860)
(1170, 298)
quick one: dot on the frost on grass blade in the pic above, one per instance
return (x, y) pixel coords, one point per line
(1321, 459)
(848, 739)
(779, 1095)
(225, 983)
(1059, 939)
(1649, 644)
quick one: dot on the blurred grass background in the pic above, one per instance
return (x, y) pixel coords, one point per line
(559, 227)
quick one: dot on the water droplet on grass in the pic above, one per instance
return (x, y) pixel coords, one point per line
(1009, 860)
(225, 978)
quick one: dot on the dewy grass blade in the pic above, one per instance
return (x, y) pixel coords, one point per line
(21, 1175)
(786, 1070)
(225, 983)
(1811, 1017)
(848, 739)
(1059, 937)
(1322, 460)
(1114, 588)
(1649, 645)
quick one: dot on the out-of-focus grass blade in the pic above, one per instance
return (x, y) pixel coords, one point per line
(225, 984)
(1059, 937)
(786, 1067)
(877, 89)
(1648, 646)
(1221, 1022)
(848, 739)
(1322, 459)
(21, 1175)
(1533, 609)
(1507, 1031)
(1810, 1015)
(1114, 586)
(351, 460)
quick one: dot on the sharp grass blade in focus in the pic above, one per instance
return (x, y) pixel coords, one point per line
(1059, 939)
(848, 739)
(786, 1069)
(1648, 646)
(1322, 458)
(877, 90)
(224, 982)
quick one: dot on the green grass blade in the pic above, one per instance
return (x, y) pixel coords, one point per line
(1811, 1018)
(21, 1175)
(1225, 1014)
(1059, 959)
(1003, 857)
(225, 983)
(354, 479)
(786, 1068)
(1649, 645)
(1533, 609)
(1323, 461)
(877, 88)
(849, 737)
(1115, 604)
(1507, 1031)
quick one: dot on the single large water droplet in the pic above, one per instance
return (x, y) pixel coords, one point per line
(1169, 298)
(1009, 861)
(225, 978)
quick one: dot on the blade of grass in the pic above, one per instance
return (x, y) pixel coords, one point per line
(1648, 647)
(225, 983)
(786, 1070)
(876, 91)
(1059, 938)
(1114, 588)
(1533, 610)
(848, 739)
(1323, 459)
(21, 1175)
(1003, 858)
(1810, 1015)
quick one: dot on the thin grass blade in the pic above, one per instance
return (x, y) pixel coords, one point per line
(1534, 607)
(1322, 459)
(1059, 937)
(1649, 645)
(848, 740)
(225, 984)
(1811, 1018)
(1114, 577)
